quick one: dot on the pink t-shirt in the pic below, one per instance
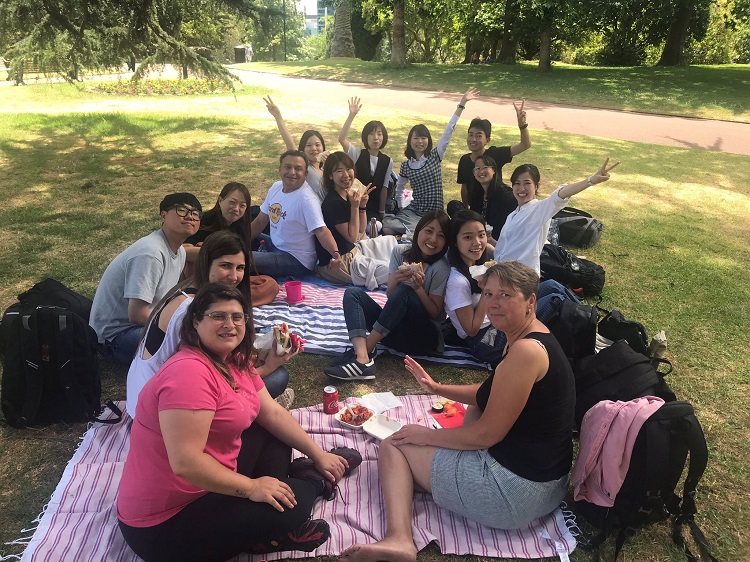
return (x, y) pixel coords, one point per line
(150, 493)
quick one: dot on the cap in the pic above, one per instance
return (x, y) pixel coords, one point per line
(179, 199)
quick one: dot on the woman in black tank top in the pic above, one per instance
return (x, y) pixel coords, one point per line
(508, 464)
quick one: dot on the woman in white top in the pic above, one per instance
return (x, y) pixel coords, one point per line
(525, 230)
(221, 259)
(311, 143)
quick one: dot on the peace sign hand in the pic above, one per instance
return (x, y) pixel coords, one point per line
(520, 113)
(354, 106)
(602, 173)
(272, 108)
(366, 195)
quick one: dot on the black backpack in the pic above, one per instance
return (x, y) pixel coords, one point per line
(574, 327)
(614, 326)
(648, 493)
(51, 366)
(615, 373)
(577, 273)
(578, 228)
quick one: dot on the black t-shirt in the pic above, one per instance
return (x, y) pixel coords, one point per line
(335, 211)
(238, 227)
(499, 205)
(539, 446)
(500, 154)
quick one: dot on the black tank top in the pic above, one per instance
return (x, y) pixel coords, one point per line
(539, 446)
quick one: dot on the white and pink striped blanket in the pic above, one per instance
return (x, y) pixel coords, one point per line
(320, 320)
(80, 521)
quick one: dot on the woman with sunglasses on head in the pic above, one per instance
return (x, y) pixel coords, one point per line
(221, 259)
(410, 320)
(525, 230)
(209, 472)
(311, 143)
(509, 463)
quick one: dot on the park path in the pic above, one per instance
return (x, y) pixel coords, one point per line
(685, 132)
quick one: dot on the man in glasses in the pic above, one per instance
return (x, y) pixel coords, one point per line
(140, 276)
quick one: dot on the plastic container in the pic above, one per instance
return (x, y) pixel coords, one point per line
(293, 292)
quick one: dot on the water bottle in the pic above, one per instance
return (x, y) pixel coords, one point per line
(553, 236)
(373, 227)
(262, 246)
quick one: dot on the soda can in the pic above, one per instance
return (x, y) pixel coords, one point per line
(330, 400)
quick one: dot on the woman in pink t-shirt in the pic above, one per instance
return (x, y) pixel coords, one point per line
(209, 472)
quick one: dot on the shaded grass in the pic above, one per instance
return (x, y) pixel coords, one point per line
(78, 188)
(715, 92)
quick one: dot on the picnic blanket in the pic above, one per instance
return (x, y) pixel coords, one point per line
(320, 320)
(80, 521)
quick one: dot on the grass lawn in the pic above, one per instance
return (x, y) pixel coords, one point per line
(80, 187)
(714, 92)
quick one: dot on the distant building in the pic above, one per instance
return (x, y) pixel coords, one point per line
(311, 25)
(322, 14)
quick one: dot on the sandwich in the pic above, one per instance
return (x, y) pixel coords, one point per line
(279, 338)
(415, 267)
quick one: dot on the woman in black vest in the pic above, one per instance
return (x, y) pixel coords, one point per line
(372, 166)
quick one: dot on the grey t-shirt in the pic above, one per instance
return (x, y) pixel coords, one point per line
(435, 275)
(146, 270)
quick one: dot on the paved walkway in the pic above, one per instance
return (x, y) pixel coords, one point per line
(708, 134)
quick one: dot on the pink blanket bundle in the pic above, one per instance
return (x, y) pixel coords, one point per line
(80, 522)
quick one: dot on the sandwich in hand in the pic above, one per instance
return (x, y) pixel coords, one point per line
(413, 267)
(281, 339)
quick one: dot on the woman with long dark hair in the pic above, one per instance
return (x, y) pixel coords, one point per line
(409, 321)
(209, 472)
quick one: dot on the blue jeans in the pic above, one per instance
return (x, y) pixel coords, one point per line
(121, 348)
(403, 321)
(277, 381)
(277, 263)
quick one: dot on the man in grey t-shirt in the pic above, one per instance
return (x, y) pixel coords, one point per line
(140, 276)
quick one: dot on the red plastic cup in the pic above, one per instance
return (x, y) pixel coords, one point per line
(293, 291)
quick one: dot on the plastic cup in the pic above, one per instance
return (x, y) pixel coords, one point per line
(293, 291)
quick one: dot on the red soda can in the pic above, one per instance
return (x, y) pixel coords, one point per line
(330, 400)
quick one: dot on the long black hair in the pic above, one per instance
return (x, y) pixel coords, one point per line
(333, 160)
(414, 254)
(454, 257)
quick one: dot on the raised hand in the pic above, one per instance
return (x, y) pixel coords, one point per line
(424, 380)
(520, 113)
(272, 108)
(365, 197)
(471, 94)
(354, 106)
(602, 174)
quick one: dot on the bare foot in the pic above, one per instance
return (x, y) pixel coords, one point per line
(392, 550)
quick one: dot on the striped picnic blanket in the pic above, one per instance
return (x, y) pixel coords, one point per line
(80, 521)
(320, 320)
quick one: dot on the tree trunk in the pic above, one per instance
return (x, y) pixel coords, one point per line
(545, 51)
(672, 55)
(509, 45)
(343, 44)
(398, 46)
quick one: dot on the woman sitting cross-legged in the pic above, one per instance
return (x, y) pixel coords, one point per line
(409, 320)
(209, 472)
(509, 463)
(221, 259)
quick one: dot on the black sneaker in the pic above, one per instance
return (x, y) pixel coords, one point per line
(352, 371)
(304, 469)
(307, 537)
(348, 356)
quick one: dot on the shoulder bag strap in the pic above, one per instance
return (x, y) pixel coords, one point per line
(31, 366)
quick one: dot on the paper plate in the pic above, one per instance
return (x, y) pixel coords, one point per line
(338, 415)
(381, 426)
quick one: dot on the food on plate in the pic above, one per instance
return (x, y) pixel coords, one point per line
(437, 407)
(450, 410)
(361, 414)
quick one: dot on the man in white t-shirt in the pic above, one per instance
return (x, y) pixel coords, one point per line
(140, 276)
(293, 212)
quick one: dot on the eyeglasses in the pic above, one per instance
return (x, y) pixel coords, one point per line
(482, 168)
(221, 317)
(183, 211)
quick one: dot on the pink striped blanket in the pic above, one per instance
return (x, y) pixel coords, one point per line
(320, 320)
(80, 522)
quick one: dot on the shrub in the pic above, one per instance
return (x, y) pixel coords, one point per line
(160, 87)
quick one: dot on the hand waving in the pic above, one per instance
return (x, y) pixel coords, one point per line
(354, 106)
(471, 94)
(424, 380)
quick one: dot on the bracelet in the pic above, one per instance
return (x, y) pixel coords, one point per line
(588, 180)
(363, 209)
(522, 127)
(461, 106)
